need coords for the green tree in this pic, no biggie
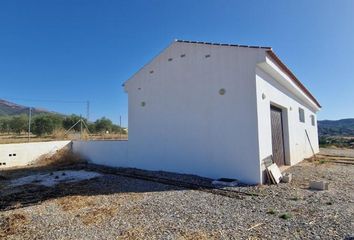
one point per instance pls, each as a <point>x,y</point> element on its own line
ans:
<point>5,124</point>
<point>91,127</point>
<point>69,121</point>
<point>103,125</point>
<point>18,124</point>
<point>117,129</point>
<point>43,124</point>
<point>57,120</point>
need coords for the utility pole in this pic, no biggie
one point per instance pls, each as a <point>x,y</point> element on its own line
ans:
<point>29,123</point>
<point>87,110</point>
<point>120,127</point>
<point>80,127</point>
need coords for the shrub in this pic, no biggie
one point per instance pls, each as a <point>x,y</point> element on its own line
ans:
<point>285,216</point>
<point>271,211</point>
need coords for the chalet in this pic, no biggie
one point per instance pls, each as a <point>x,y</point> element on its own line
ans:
<point>215,110</point>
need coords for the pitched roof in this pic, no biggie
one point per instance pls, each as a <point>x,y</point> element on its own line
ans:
<point>271,53</point>
<point>222,44</point>
<point>292,76</point>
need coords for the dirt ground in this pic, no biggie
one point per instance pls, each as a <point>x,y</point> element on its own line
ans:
<point>23,138</point>
<point>118,207</point>
<point>338,152</point>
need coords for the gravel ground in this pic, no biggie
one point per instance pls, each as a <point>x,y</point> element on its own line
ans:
<point>337,152</point>
<point>116,207</point>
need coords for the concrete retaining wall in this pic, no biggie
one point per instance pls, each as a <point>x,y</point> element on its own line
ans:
<point>109,153</point>
<point>21,154</point>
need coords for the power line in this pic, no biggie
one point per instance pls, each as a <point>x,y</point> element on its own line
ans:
<point>43,100</point>
<point>22,111</point>
<point>52,101</point>
<point>29,123</point>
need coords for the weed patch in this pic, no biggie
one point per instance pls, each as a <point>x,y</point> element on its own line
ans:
<point>271,211</point>
<point>285,216</point>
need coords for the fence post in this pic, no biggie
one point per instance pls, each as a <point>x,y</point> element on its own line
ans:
<point>29,123</point>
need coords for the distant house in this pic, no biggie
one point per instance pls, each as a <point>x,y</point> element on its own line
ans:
<point>219,110</point>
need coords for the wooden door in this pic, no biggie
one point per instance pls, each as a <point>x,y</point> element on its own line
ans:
<point>277,136</point>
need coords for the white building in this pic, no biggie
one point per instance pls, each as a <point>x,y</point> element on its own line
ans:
<point>215,110</point>
<point>219,110</point>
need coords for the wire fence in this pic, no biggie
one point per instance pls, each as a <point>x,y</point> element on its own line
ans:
<point>61,134</point>
<point>49,127</point>
<point>27,124</point>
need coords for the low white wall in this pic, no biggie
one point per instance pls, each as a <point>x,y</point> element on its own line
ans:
<point>21,154</point>
<point>109,153</point>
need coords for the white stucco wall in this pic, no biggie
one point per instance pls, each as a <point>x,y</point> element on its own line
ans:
<point>21,154</point>
<point>109,153</point>
<point>186,126</point>
<point>179,122</point>
<point>298,147</point>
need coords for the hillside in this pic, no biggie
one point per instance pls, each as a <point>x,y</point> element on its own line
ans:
<point>343,127</point>
<point>11,109</point>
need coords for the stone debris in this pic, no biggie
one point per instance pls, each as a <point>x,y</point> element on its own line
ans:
<point>226,182</point>
<point>319,185</point>
<point>287,177</point>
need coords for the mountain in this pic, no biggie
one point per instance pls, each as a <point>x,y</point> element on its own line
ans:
<point>343,127</point>
<point>10,109</point>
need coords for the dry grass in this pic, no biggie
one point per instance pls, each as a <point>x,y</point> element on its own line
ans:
<point>109,136</point>
<point>73,203</point>
<point>200,235</point>
<point>134,233</point>
<point>136,210</point>
<point>59,135</point>
<point>21,138</point>
<point>93,214</point>
<point>138,232</point>
<point>62,157</point>
<point>89,210</point>
<point>96,216</point>
<point>12,224</point>
<point>131,197</point>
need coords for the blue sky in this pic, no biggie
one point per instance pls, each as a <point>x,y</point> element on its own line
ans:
<point>73,51</point>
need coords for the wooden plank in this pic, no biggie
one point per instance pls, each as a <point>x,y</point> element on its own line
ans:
<point>275,173</point>
<point>308,138</point>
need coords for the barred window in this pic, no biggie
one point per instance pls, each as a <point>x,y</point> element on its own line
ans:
<point>301,115</point>
<point>313,121</point>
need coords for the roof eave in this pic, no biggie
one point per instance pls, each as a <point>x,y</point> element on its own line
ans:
<point>273,66</point>
<point>297,82</point>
